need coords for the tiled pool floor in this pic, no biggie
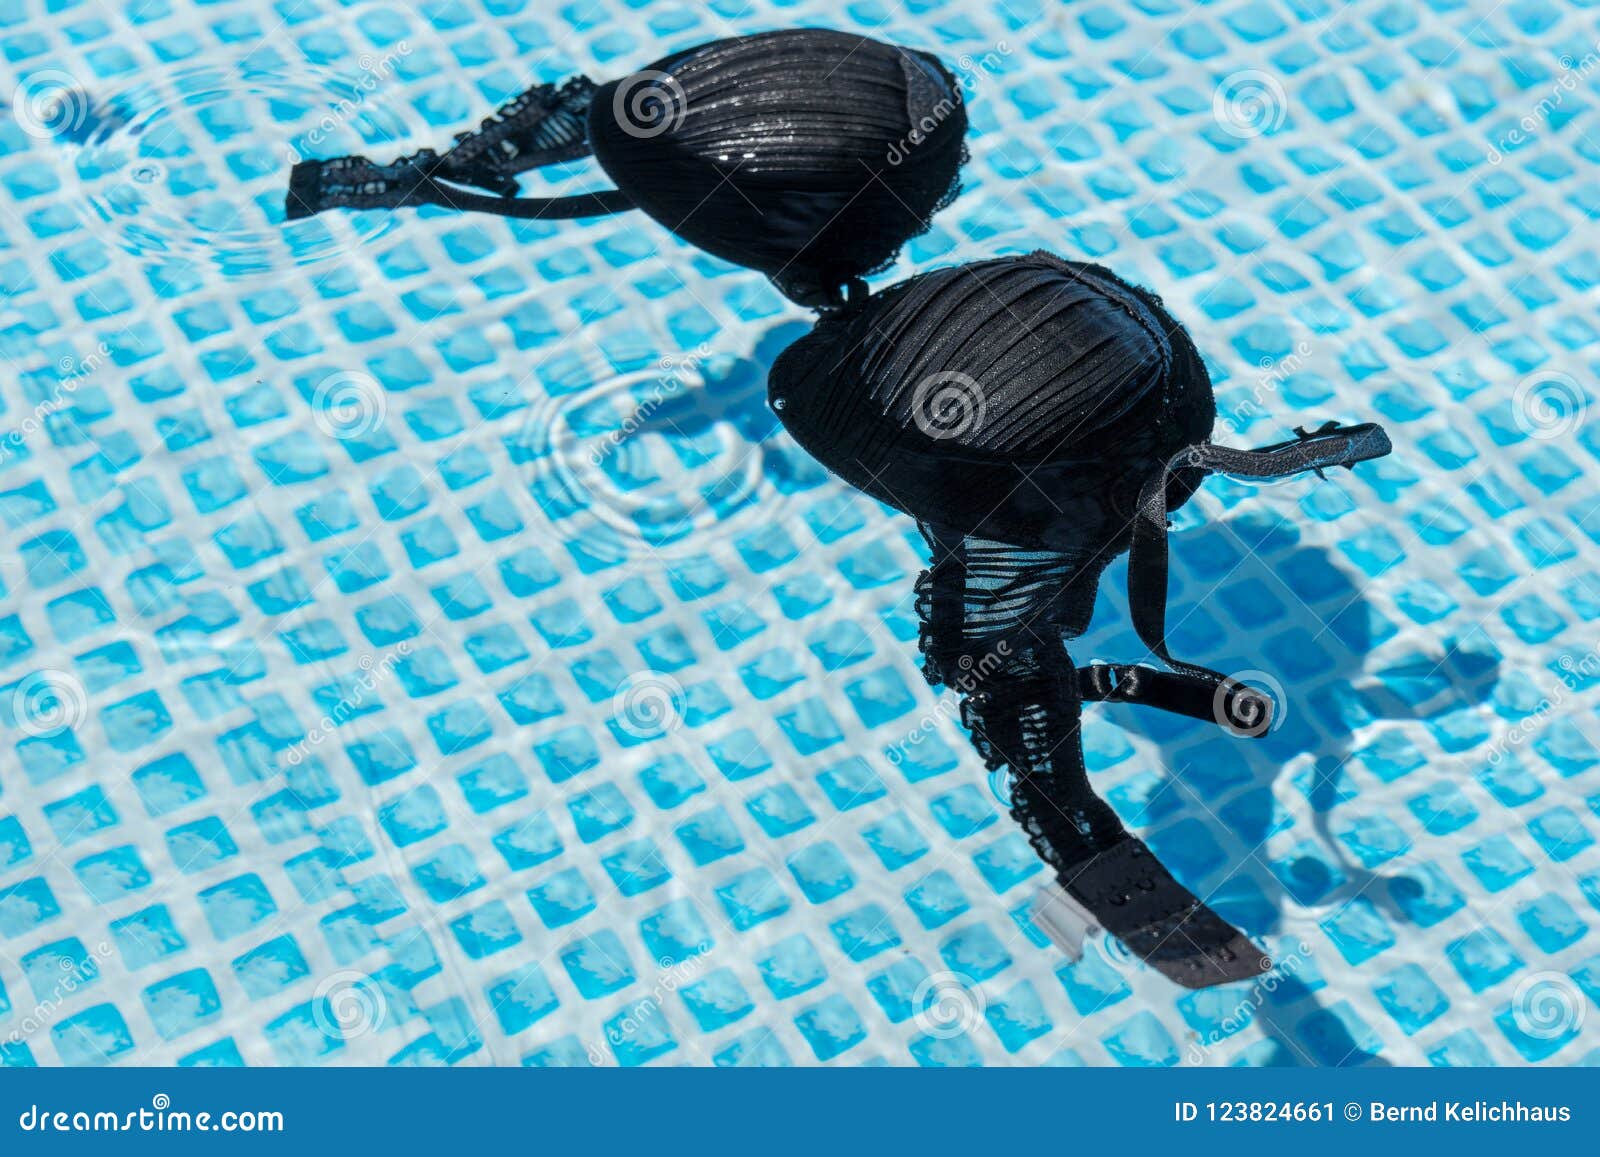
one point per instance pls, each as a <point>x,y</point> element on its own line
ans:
<point>417,645</point>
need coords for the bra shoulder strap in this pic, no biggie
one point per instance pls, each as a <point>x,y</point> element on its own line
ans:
<point>1315,450</point>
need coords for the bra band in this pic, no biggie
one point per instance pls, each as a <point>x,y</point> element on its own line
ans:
<point>1024,708</point>
<point>1316,450</point>
<point>545,125</point>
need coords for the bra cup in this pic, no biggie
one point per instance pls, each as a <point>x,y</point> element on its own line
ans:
<point>808,155</point>
<point>1025,399</point>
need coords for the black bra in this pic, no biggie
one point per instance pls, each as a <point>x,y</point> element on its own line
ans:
<point>811,156</point>
<point>1038,417</point>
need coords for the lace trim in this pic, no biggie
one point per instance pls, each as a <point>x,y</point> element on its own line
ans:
<point>545,125</point>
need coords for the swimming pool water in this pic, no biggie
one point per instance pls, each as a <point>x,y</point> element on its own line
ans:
<point>419,645</point>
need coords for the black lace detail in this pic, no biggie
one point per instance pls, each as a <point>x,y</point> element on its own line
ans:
<point>782,152</point>
<point>1038,417</point>
<point>357,183</point>
<point>1025,717</point>
<point>545,125</point>
<point>993,618</point>
<point>981,600</point>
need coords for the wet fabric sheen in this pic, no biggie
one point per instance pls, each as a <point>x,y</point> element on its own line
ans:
<point>809,155</point>
<point>1038,417</point>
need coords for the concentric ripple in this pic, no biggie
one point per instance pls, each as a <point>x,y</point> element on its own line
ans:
<point>192,163</point>
<point>646,461</point>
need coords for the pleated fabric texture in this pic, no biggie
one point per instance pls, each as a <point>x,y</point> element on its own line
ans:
<point>1024,400</point>
<point>1038,417</point>
<point>810,155</point>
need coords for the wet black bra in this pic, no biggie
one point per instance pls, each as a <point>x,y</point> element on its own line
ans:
<point>809,155</point>
<point>1038,417</point>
